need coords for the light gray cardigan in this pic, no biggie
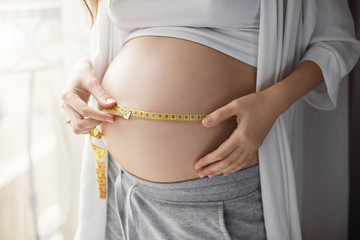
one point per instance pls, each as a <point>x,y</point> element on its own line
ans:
<point>291,31</point>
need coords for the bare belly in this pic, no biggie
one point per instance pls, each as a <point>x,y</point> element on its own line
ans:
<point>162,74</point>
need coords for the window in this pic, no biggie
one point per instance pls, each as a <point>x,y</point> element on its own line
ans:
<point>38,44</point>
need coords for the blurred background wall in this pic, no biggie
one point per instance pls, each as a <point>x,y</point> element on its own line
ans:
<point>39,41</point>
<point>354,129</point>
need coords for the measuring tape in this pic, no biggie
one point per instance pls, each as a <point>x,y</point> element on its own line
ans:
<point>128,113</point>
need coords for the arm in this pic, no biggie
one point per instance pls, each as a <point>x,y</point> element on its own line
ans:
<point>83,82</point>
<point>84,79</point>
<point>329,51</point>
<point>256,114</point>
<point>86,74</point>
<point>306,77</point>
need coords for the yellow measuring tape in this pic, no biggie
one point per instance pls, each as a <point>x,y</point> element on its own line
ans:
<point>99,165</point>
<point>171,117</point>
<point>128,113</point>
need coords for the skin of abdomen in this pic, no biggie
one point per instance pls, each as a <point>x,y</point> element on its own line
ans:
<point>163,74</point>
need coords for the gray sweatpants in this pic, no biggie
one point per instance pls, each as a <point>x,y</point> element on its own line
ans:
<point>222,207</point>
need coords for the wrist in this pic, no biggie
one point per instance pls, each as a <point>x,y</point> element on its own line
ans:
<point>276,99</point>
<point>284,93</point>
<point>82,66</point>
<point>83,62</point>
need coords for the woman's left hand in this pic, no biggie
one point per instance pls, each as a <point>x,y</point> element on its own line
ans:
<point>255,115</point>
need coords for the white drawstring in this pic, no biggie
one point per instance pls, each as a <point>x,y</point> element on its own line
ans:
<point>126,206</point>
<point>128,210</point>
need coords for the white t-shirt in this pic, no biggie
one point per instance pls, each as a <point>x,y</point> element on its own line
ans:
<point>231,26</point>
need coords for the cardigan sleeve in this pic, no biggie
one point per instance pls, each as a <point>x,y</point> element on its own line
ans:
<point>330,42</point>
<point>105,41</point>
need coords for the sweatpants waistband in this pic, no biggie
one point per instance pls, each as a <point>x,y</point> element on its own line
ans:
<point>218,188</point>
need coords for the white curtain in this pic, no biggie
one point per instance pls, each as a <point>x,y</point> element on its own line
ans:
<point>39,41</point>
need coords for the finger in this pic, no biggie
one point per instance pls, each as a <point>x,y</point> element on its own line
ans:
<point>98,92</point>
<point>79,124</point>
<point>222,151</point>
<point>221,114</point>
<point>87,130</point>
<point>239,164</point>
<point>249,161</point>
<point>74,118</point>
<point>83,130</point>
<point>75,102</point>
<point>88,123</point>
<point>230,162</point>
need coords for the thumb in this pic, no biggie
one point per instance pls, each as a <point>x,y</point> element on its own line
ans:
<point>100,95</point>
<point>219,115</point>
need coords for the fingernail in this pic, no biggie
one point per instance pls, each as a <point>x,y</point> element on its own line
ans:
<point>207,120</point>
<point>211,175</point>
<point>110,120</point>
<point>202,175</point>
<point>197,166</point>
<point>109,100</point>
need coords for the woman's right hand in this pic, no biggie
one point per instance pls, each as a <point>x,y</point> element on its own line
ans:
<point>81,83</point>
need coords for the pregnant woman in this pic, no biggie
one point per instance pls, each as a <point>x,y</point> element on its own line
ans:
<point>224,59</point>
